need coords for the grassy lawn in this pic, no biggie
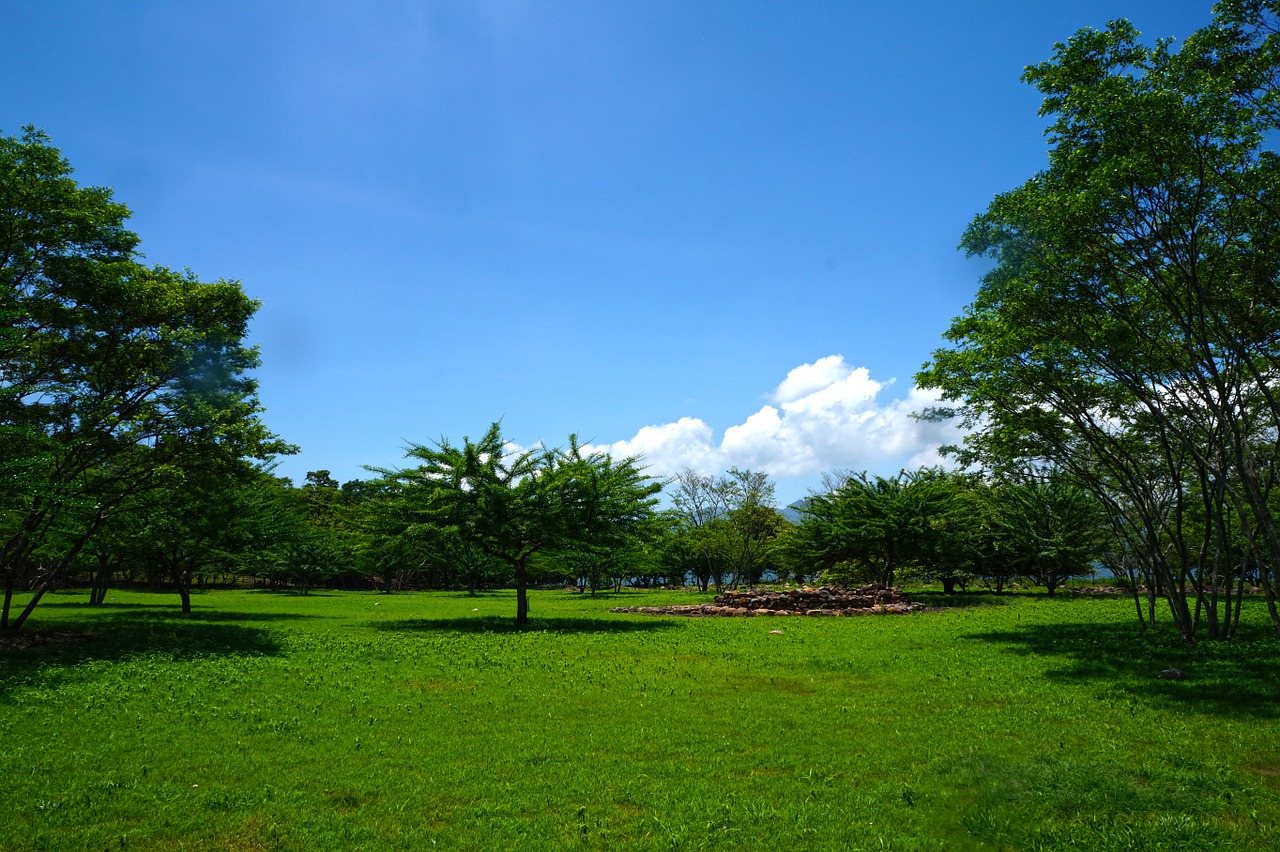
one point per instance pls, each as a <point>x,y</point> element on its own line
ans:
<point>356,720</point>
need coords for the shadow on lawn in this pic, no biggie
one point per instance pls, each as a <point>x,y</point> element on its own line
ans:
<point>506,624</point>
<point>118,612</point>
<point>962,600</point>
<point>171,605</point>
<point>1237,678</point>
<point>46,656</point>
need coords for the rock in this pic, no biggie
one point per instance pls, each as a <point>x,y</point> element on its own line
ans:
<point>1172,674</point>
<point>824,601</point>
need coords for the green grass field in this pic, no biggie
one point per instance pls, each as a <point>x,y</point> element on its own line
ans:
<point>413,721</point>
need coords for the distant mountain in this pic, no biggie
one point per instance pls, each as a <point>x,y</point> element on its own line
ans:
<point>795,512</point>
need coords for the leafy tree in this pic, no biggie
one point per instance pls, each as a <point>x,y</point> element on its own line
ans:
<point>989,557</point>
<point>731,521</point>
<point>1052,529</point>
<point>319,544</point>
<point>310,558</point>
<point>111,372</point>
<point>639,557</point>
<point>1127,332</point>
<point>878,524</point>
<point>700,501</point>
<point>957,541</point>
<point>514,506</point>
<point>751,524</point>
<point>204,518</point>
<point>389,547</point>
<point>680,552</point>
<point>322,496</point>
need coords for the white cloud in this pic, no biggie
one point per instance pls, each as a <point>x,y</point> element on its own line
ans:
<point>808,378</point>
<point>824,416</point>
<point>671,447</point>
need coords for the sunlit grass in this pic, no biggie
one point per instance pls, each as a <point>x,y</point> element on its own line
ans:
<point>407,721</point>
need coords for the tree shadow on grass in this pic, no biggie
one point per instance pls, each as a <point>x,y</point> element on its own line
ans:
<point>1238,678</point>
<point>628,594</point>
<point>46,658</point>
<point>107,606</point>
<point>113,612</point>
<point>506,624</point>
<point>962,600</point>
<point>312,592</point>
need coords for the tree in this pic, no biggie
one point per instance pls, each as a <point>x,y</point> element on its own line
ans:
<point>960,541</point>
<point>390,546</point>
<point>731,521</point>
<point>1051,528</point>
<point>196,522</point>
<point>700,501</point>
<point>319,546</point>
<point>748,538</point>
<point>515,505</point>
<point>990,561</point>
<point>878,524</point>
<point>111,372</point>
<point>1129,331</point>
<point>746,534</point>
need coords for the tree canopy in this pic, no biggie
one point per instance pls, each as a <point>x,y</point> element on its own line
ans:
<point>1128,331</point>
<point>514,504</point>
<point>113,375</point>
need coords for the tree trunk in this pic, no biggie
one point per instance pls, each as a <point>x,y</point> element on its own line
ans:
<point>522,594</point>
<point>31,605</point>
<point>8,600</point>
<point>521,600</point>
<point>184,590</point>
<point>1133,577</point>
<point>101,578</point>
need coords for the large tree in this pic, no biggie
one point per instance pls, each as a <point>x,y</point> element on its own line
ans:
<point>1129,331</point>
<point>730,521</point>
<point>1050,528</point>
<point>516,504</point>
<point>111,372</point>
<point>872,527</point>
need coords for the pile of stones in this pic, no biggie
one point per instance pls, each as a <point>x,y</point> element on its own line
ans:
<point>821,601</point>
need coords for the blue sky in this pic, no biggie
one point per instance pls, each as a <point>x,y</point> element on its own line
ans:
<point>718,233</point>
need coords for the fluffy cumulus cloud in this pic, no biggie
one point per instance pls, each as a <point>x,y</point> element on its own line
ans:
<point>823,416</point>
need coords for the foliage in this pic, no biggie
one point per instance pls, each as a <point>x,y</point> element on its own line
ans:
<point>873,527</point>
<point>515,505</point>
<point>1127,332</point>
<point>726,525</point>
<point>202,519</point>
<point>1051,529</point>
<point>112,373</point>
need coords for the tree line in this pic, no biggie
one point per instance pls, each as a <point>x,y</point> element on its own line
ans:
<point>134,450</point>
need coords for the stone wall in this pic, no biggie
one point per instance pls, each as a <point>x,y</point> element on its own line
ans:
<point>821,601</point>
